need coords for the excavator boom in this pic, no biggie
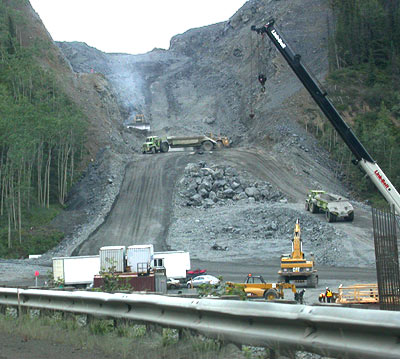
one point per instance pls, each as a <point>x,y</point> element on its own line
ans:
<point>297,246</point>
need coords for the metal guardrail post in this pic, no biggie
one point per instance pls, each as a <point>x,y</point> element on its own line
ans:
<point>328,331</point>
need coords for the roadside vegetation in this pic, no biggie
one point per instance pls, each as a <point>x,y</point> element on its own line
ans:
<point>364,84</point>
<point>119,339</point>
<point>41,140</point>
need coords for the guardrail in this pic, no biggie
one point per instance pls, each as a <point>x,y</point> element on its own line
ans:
<point>328,331</point>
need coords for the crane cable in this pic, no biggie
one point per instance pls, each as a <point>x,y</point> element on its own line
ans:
<point>261,76</point>
<point>251,76</point>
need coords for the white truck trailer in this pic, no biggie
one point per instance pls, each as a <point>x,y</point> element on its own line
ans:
<point>176,263</point>
<point>76,271</point>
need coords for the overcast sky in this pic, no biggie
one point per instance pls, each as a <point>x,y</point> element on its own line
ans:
<point>130,26</point>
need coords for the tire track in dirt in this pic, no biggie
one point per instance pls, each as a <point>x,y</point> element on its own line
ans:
<point>265,166</point>
<point>143,208</point>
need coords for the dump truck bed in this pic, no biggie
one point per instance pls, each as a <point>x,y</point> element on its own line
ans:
<point>188,141</point>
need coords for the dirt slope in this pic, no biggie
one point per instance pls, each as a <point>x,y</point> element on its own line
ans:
<point>142,210</point>
<point>147,210</point>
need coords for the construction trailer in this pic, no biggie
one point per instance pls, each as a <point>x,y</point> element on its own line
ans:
<point>75,271</point>
<point>139,258</point>
<point>176,263</point>
<point>112,258</point>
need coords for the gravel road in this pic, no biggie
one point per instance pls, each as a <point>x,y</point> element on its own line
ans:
<point>142,210</point>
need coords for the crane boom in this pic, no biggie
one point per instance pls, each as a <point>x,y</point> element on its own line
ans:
<point>363,158</point>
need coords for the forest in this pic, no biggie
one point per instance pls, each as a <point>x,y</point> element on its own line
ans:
<point>364,84</point>
<point>41,142</point>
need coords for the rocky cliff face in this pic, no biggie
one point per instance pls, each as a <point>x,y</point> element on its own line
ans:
<point>207,80</point>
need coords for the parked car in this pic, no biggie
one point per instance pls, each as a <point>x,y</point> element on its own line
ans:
<point>203,279</point>
<point>173,283</point>
<point>195,272</point>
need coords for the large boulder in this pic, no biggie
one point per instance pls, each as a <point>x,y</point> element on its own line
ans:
<point>253,192</point>
<point>196,200</point>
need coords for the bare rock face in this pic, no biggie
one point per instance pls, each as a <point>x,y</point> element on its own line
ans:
<point>207,80</point>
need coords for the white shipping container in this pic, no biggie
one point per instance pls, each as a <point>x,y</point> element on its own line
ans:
<point>176,263</point>
<point>112,256</point>
<point>140,257</point>
<point>76,270</point>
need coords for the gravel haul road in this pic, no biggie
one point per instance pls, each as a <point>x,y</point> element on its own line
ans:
<point>148,210</point>
<point>142,210</point>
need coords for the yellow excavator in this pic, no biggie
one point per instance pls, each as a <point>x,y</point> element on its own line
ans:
<point>295,267</point>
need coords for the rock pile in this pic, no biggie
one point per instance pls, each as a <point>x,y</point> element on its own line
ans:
<point>260,232</point>
<point>205,186</point>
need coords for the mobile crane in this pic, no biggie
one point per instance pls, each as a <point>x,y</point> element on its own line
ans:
<point>294,266</point>
<point>362,157</point>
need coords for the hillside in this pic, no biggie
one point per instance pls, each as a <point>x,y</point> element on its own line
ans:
<point>207,82</point>
<point>201,84</point>
<point>51,117</point>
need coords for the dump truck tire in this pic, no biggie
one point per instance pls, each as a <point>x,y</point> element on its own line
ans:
<point>207,145</point>
<point>271,294</point>
<point>307,206</point>
<point>314,208</point>
<point>350,217</point>
<point>153,150</point>
<point>330,217</point>
<point>164,147</point>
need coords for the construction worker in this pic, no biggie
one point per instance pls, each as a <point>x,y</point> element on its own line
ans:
<point>329,295</point>
<point>301,296</point>
<point>322,297</point>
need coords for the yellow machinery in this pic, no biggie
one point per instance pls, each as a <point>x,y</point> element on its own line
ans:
<point>222,141</point>
<point>294,266</point>
<point>139,118</point>
<point>256,287</point>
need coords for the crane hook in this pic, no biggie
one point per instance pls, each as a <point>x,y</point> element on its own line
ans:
<point>262,79</point>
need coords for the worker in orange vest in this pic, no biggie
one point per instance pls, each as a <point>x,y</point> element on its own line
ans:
<point>322,297</point>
